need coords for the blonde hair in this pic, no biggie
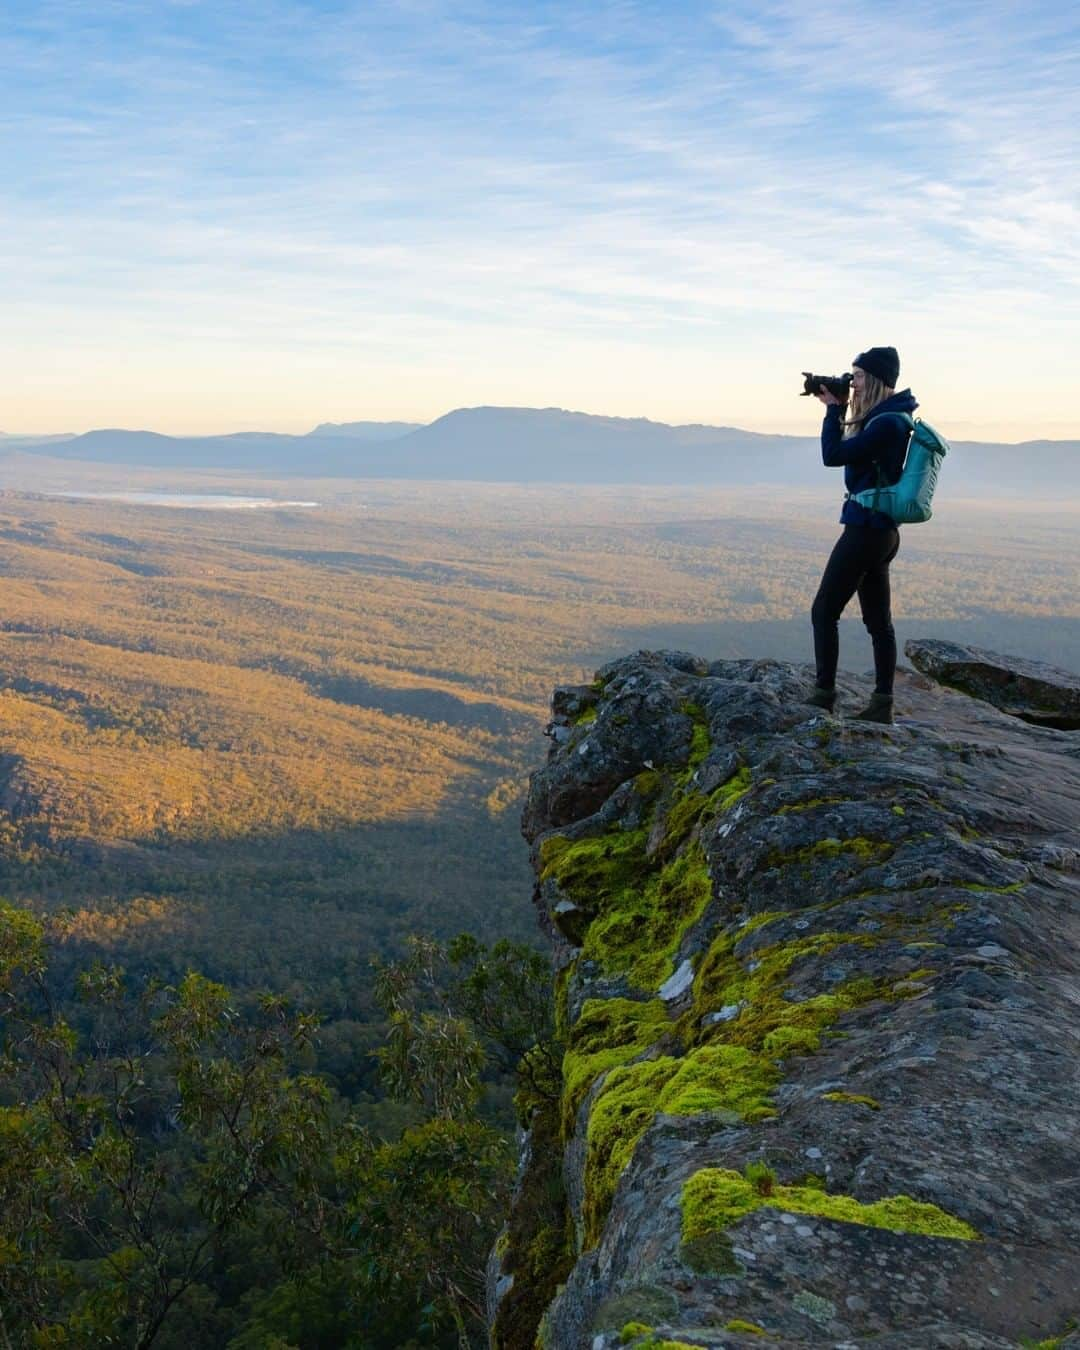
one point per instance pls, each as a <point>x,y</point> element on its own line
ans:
<point>874,391</point>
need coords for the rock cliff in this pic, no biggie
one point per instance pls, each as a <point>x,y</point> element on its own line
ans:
<point>817,982</point>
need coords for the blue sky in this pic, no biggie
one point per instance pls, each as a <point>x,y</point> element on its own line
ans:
<point>232,214</point>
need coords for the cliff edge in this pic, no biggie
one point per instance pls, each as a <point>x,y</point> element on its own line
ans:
<point>817,984</point>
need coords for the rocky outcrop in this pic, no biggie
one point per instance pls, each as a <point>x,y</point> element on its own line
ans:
<point>1033,690</point>
<point>817,982</point>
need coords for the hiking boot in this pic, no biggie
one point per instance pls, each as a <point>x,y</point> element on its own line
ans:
<point>879,709</point>
<point>823,698</point>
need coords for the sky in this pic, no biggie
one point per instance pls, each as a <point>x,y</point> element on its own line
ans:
<point>267,214</point>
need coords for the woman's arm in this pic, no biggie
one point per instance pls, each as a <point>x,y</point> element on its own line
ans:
<point>877,436</point>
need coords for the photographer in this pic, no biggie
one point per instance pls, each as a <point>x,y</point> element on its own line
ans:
<point>865,442</point>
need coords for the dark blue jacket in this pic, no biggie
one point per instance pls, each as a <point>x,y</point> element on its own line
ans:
<point>882,440</point>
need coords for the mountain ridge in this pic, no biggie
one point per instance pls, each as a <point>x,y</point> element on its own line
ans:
<point>513,444</point>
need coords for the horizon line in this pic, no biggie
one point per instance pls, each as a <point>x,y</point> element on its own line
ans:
<point>418,425</point>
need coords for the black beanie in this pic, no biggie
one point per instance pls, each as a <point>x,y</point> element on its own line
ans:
<point>881,362</point>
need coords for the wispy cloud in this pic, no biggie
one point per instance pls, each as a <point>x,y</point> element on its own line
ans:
<point>447,189</point>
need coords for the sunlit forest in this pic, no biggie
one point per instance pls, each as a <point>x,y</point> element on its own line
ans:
<point>273,743</point>
<point>268,746</point>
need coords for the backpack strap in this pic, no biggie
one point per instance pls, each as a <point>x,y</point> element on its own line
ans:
<point>909,423</point>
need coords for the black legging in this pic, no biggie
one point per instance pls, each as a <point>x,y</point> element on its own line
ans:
<point>859,563</point>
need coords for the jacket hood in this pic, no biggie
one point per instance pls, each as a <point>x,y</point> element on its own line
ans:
<point>903,401</point>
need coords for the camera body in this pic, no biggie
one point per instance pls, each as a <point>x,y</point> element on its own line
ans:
<point>837,385</point>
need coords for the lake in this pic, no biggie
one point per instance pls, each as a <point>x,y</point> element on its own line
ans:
<point>205,500</point>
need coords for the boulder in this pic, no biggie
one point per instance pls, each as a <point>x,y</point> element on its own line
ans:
<point>1033,690</point>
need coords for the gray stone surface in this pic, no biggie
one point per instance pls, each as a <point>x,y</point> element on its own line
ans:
<point>1032,690</point>
<point>966,889</point>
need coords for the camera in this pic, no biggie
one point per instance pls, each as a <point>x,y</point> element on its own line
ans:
<point>837,385</point>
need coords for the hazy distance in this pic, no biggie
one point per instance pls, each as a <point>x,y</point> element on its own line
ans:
<point>534,445</point>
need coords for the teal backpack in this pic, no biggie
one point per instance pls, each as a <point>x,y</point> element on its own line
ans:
<point>909,501</point>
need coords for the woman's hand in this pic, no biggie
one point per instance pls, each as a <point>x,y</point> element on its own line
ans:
<point>826,398</point>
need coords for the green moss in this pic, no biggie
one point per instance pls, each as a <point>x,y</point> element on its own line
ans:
<point>585,718</point>
<point>724,1078</point>
<point>561,1000</point>
<point>683,815</point>
<point>768,1022</point>
<point>727,794</point>
<point>639,934</point>
<point>648,783</point>
<point>714,1199</point>
<point>992,890</point>
<point>746,1328</point>
<point>787,1041</point>
<point>810,804</point>
<point>699,741</point>
<point>1051,1342</point>
<point>593,870</point>
<point>699,746</point>
<point>867,850</point>
<point>899,811</point>
<point>647,1303</point>
<point>632,1330</point>
<point>639,907</point>
<point>610,1032</point>
<point>854,1098</point>
<point>691,809</point>
<point>761,920</point>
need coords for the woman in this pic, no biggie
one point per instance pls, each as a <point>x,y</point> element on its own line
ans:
<point>866,441</point>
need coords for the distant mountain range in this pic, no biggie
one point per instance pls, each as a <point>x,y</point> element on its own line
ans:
<point>547,445</point>
<point>365,431</point>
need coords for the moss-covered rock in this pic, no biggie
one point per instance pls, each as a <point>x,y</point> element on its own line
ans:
<point>715,1198</point>
<point>609,1033</point>
<point>717,1078</point>
<point>850,923</point>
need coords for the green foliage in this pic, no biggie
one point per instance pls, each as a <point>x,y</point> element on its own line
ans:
<point>539,1248</point>
<point>170,1174</point>
<point>423,1215</point>
<point>761,1176</point>
<point>105,1231</point>
<point>453,1008</point>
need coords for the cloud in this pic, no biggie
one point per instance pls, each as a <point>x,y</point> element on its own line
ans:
<point>397,175</point>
